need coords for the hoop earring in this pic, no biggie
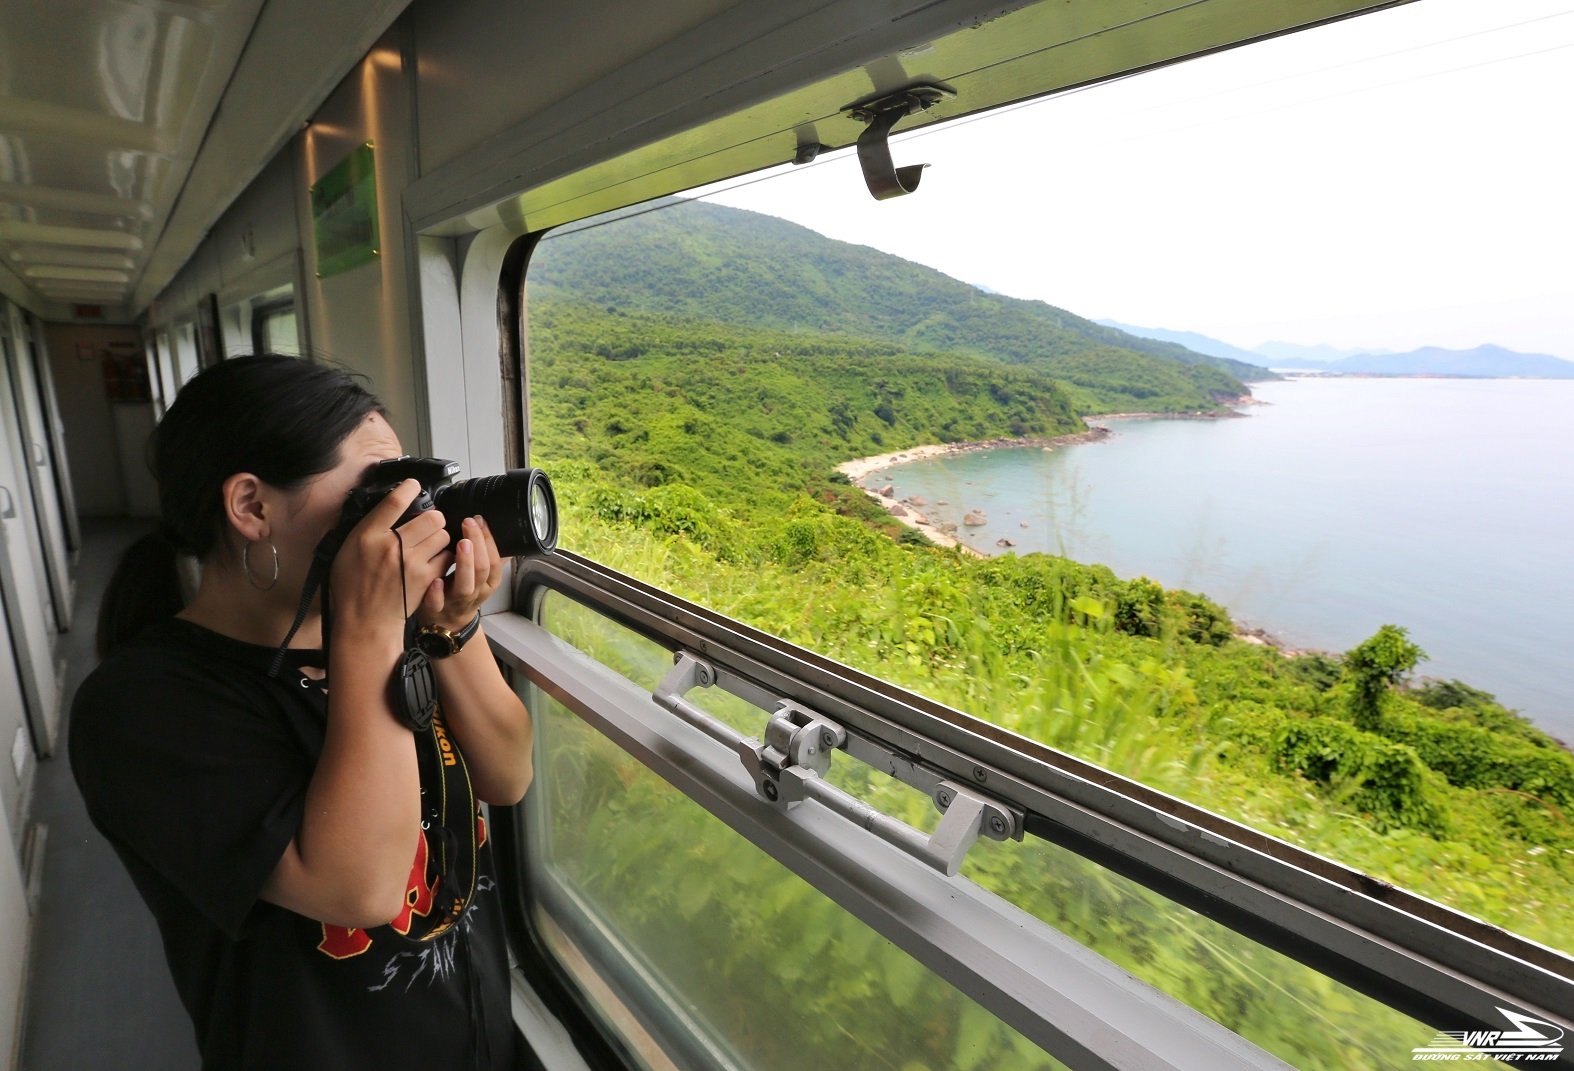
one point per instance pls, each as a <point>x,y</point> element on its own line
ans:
<point>245,567</point>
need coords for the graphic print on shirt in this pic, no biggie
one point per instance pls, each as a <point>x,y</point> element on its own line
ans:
<point>344,942</point>
<point>436,961</point>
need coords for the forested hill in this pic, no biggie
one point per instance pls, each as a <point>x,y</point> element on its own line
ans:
<point>697,261</point>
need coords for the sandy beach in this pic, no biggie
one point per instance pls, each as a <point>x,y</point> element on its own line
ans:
<point>860,469</point>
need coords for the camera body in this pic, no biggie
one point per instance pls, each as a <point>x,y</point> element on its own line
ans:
<point>433,473</point>
<point>518,506</point>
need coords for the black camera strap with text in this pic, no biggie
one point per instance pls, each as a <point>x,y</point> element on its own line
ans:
<point>449,809</point>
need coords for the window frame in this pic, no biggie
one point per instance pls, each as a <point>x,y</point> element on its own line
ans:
<point>1421,958</point>
<point>1417,956</point>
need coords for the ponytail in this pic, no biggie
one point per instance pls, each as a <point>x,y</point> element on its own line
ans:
<point>144,590</point>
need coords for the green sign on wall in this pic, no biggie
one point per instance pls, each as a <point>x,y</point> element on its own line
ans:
<point>344,214</point>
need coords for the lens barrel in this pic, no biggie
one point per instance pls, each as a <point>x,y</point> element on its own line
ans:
<point>518,506</point>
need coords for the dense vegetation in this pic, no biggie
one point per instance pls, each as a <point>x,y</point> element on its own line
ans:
<point>699,457</point>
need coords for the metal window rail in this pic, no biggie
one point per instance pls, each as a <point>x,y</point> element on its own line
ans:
<point>1417,956</point>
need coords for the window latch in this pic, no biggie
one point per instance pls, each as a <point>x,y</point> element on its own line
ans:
<point>884,179</point>
<point>798,745</point>
<point>789,766</point>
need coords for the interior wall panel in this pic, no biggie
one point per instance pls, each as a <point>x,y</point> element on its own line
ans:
<point>359,318</point>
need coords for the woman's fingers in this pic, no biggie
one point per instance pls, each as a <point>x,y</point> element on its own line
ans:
<point>462,585</point>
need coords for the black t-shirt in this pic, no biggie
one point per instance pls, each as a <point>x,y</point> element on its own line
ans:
<point>194,764</point>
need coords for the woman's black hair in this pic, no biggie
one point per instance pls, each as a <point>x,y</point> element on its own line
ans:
<point>282,419</point>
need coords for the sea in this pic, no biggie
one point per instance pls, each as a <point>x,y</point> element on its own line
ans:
<point>1331,506</point>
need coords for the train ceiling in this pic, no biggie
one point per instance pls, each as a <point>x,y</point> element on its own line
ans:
<point>127,127</point>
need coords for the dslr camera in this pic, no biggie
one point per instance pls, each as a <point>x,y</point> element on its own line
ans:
<point>517,505</point>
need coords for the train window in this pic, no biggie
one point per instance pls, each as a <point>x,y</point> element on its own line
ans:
<point>187,359</point>
<point>696,946</point>
<point>701,371</point>
<point>274,328</point>
<point>1290,1010</point>
<point>715,388</point>
<point>161,355</point>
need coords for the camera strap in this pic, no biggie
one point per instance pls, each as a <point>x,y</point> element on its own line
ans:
<point>451,835</point>
<point>450,817</point>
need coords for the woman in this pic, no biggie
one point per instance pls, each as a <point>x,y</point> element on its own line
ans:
<point>281,827</point>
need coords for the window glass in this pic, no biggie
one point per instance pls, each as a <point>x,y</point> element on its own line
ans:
<point>699,948</point>
<point>1289,1009</point>
<point>185,356</point>
<point>736,394</point>
<point>275,329</point>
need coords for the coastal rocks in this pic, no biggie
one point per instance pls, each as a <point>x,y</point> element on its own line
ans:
<point>888,491</point>
<point>1004,542</point>
<point>1021,524</point>
<point>917,500</point>
<point>975,518</point>
<point>897,509</point>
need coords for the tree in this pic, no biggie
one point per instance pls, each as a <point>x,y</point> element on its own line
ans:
<point>1374,666</point>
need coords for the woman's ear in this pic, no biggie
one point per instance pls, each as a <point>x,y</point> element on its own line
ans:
<point>247,506</point>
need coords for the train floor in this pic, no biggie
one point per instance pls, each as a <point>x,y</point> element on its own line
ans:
<point>99,994</point>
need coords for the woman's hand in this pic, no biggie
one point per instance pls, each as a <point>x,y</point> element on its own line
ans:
<point>369,590</point>
<point>478,570</point>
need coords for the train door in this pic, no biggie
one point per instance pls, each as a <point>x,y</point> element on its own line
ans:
<point>38,461</point>
<point>29,649</point>
<point>14,783</point>
<point>38,360</point>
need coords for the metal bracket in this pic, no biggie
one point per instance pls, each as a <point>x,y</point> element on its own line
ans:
<point>790,766</point>
<point>884,179</point>
<point>967,817</point>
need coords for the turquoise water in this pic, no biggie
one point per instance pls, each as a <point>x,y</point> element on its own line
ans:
<point>1443,505</point>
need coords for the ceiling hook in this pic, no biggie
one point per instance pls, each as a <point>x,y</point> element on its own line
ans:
<point>884,179</point>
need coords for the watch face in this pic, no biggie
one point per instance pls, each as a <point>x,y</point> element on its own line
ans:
<point>436,643</point>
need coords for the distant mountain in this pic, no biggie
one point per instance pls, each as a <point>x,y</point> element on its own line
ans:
<point>1294,355</point>
<point>1242,364</point>
<point>699,261</point>
<point>1481,362</point>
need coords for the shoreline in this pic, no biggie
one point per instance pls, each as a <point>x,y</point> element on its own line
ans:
<point>860,469</point>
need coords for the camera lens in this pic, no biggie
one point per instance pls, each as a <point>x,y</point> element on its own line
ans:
<point>518,506</point>
<point>543,510</point>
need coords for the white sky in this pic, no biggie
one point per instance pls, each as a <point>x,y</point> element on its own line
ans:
<point>1401,179</point>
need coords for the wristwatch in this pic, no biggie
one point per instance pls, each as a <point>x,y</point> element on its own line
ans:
<point>437,642</point>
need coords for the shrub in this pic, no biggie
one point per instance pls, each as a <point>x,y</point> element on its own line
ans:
<point>1471,757</point>
<point>1201,619</point>
<point>1380,777</point>
<point>1374,666</point>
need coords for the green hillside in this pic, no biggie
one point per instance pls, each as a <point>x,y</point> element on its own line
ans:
<point>692,398</point>
<point>706,262</point>
<point>756,417</point>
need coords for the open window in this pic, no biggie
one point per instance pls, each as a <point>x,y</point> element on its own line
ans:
<point>1159,816</point>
